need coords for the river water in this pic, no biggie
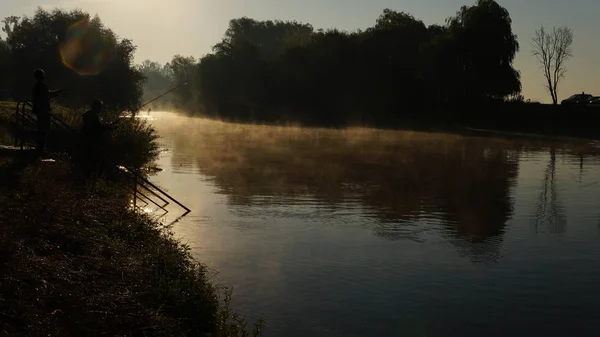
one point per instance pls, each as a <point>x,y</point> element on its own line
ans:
<point>366,232</point>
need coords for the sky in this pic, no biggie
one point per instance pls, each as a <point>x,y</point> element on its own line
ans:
<point>163,28</point>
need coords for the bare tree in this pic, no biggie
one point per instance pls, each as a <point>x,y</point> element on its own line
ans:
<point>553,49</point>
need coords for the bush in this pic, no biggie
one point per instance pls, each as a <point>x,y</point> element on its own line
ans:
<point>133,144</point>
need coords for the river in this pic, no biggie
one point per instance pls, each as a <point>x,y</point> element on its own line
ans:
<point>363,232</point>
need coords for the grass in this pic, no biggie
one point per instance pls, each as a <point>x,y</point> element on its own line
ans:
<point>76,260</point>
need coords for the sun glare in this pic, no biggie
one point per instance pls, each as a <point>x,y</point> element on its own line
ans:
<point>85,50</point>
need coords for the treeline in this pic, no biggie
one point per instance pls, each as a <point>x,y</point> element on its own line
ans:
<point>399,69</point>
<point>77,52</point>
<point>174,74</point>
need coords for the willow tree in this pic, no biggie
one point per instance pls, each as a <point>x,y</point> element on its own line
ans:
<point>485,47</point>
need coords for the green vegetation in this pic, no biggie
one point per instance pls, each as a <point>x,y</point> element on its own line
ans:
<point>75,258</point>
<point>133,144</point>
<point>79,262</point>
<point>91,62</point>
<point>398,71</point>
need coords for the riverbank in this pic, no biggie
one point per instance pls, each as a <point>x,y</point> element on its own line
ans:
<point>515,120</point>
<point>78,261</point>
<point>509,120</point>
<point>537,119</point>
<point>506,119</point>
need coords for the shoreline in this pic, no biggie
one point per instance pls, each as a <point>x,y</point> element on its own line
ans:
<point>544,122</point>
<point>529,120</point>
<point>76,260</point>
<point>464,129</point>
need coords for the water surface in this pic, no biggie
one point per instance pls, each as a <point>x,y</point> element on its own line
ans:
<point>366,232</point>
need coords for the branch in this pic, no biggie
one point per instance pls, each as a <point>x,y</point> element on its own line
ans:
<point>563,38</point>
<point>552,49</point>
<point>543,52</point>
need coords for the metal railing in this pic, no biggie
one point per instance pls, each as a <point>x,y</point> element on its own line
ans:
<point>142,190</point>
<point>20,118</point>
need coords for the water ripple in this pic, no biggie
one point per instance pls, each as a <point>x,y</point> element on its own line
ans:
<point>320,231</point>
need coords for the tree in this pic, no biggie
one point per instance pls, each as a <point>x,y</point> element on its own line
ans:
<point>157,81</point>
<point>552,50</point>
<point>485,50</point>
<point>78,53</point>
<point>5,69</point>
<point>399,71</point>
<point>392,51</point>
<point>269,37</point>
<point>9,24</point>
<point>181,70</point>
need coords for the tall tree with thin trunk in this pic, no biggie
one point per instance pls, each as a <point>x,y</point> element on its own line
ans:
<point>553,49</point>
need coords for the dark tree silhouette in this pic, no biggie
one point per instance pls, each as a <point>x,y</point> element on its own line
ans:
<point>552,50</point>
<point>5,69</point>
<point>486,50</point>
<point>78,53</point>
<point>157,80</point>
<point>399,71</point>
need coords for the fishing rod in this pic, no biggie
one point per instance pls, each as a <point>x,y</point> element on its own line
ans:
<point>163,94</point>
<point>65,92</point>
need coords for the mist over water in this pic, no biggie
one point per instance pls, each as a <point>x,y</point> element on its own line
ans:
<point>364,232</point>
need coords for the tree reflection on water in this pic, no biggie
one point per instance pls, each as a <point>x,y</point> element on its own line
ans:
<point>412,183</point>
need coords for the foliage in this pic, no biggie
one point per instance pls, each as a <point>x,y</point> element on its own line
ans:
<point>486,49</point>
<point>552,50</point>
<point>5,69</point>
<point>132,144</point>
<point>397,70</point>
<point>157,79</point>
<point>41,41</point>
<point>182,70</point>
<point>271,37</point>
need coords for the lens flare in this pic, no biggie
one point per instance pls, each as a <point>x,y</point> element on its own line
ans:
<point>85,50</point>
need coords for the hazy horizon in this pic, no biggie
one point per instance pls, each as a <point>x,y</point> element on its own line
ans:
<point>162,29</point>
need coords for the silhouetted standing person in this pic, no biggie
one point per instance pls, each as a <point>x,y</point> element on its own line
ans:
<point>92,131</point>
<point>41,107</point>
